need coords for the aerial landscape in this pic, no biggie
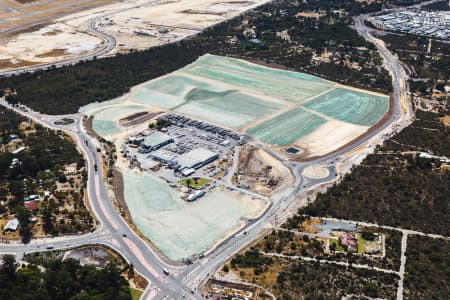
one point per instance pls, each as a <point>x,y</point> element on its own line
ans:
<point>224,149</point>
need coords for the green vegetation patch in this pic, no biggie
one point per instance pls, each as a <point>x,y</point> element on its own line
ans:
<point>393,186</point>
<point>427,268</point>
<point>361,244</point>
<point>64,121</point>
<point>61,280</point>
<point>135,293</point>
<point>335,245</point>
<point>196,182</point>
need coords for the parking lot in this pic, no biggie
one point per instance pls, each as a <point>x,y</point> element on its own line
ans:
<point>188,135</point>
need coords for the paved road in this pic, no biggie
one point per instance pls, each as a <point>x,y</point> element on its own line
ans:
<point>113,228</point>
<point>108,44</point>
<point>333,262</point>
<point>146,261</point>
<point>402,266</point>
<point>196,274</point>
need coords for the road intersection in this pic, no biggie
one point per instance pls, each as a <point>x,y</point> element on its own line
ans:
<point>184,281</point>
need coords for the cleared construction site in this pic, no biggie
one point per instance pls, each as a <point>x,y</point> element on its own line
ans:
<point>211,142</point>
<point>44,32</point>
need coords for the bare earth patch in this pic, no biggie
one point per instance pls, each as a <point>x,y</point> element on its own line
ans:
<point>316,171</point>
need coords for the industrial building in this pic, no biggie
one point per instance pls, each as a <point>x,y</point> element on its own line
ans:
<point>136,140</point>
<point>155,141</point>
<point>196,159</point>
<point>432,24</point>
<point>164,156</point>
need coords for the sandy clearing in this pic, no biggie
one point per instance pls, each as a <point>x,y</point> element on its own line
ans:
<point>308,14</point>
<point>151,24</point>
<point>330,136</point>
<point>79,18</point>
<point>39,46</point>
<point>152,36</point>
<point>278,169</point>
<point>243,90</point>
<point>316,172</point>
<point>446,120</point>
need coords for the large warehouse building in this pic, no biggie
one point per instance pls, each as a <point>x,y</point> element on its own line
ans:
<point>195,159</point>
<point>155,141</point>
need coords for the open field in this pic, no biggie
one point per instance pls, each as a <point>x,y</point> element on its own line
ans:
<point>181,229</point>
<point>200,99</point>
<point>280,108</point>
<point>168,21</point>
<point>42,32</point>
<point>20,15</point>
<point>283,110</point>
<point>289,86</point>
<point>106,120</point>
<point>287,128</point>
<point>30,34</point>
<point>350,106</point>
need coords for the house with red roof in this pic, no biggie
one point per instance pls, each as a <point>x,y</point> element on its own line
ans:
<point>31,205</point>
<point>348,239</point>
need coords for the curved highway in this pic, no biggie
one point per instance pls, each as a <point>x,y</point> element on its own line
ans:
<point>108,40</point>
<point>114,232</point>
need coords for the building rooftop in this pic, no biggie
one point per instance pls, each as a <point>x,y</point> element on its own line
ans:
<point>31,205</point>
<point>12,224</point>
<point>156,138</point>
<point>164,155</point>
<point>196,157</point>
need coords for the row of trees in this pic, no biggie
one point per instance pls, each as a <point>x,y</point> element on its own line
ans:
<point>64,90</point>
<point>397,189</point>
<point>328,281</point>
<point>41,167</point>
<point>427,268</point>
<point>297,279</point>
<point>61,280</point>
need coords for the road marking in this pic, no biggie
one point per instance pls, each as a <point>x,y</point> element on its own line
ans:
<point>152,294</point>
<point>102,206</point>
<point>138,254</point>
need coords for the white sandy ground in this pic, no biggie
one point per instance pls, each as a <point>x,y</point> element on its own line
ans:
<point>179,228</point>
<point>186,18</point>
<point>165,21</point>
<point>278,168</point>
<point>330,136</point>
<point>33,46</point>
<point>182,240</point>
<point>316,172</point>
<point>185,13</point>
